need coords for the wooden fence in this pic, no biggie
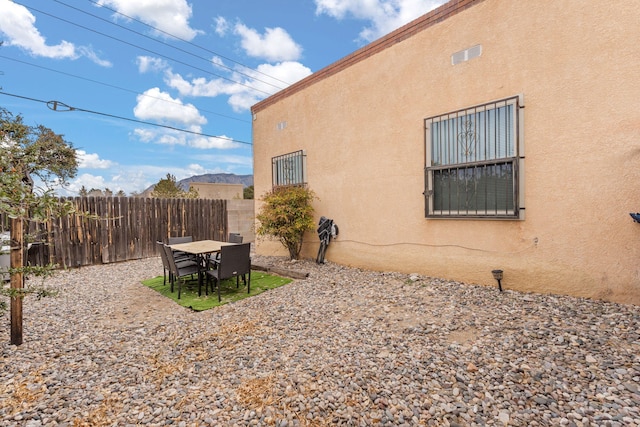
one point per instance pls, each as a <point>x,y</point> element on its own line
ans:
<point>127,228</point>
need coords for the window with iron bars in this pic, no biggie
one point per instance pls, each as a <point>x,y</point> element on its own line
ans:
<point>289,169</point>
<point>473,162</point>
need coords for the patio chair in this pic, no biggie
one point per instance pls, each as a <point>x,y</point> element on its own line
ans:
<point>235,261</point>
<point>176,240</point>
<point>233,238</point>
<point>166,268</point>
<point>179,270</point>
<point>180,262</point>
<point>179,255</point>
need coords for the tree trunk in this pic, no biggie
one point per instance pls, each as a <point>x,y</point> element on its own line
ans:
<point>17,262</point>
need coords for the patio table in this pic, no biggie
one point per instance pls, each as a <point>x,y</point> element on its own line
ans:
<point>202,249</point>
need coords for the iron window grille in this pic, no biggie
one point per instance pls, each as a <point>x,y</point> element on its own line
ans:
<point>289,169</point>
<point>473,165</point>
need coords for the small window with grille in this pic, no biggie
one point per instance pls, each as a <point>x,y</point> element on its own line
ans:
<point>473,162</point>
<point>289,169</point>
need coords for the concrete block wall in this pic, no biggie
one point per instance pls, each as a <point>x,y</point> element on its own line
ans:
<point>241,218</point>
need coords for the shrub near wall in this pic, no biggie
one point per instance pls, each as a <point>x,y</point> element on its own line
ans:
<point>286,214</point>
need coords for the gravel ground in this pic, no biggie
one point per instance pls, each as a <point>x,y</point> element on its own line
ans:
<point>342,347</point>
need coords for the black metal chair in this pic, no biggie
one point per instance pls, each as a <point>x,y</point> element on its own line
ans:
<point>233,238</point>
<point>179,270</point>
<point>180,262</point>
<point>184,256</point>
<point>166,268</point>
<point>235,261</point>
<point>179,255</point>
<point>176,240</point>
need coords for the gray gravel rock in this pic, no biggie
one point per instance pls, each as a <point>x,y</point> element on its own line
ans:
<point>344,346</point>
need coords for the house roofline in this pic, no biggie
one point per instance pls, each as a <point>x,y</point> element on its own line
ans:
<point>425,21</point>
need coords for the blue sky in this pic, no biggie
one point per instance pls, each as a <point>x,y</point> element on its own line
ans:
<point>196,65</point>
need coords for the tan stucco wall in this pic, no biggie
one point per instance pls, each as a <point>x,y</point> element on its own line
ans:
<point>362,129</point>
<point>240,212</point>
<point>219,191</point>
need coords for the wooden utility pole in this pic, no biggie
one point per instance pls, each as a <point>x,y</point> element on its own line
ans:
<point>17,281</point>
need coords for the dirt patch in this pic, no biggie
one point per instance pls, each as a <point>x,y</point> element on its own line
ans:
<point>463,336</point>
<point>140,305</point>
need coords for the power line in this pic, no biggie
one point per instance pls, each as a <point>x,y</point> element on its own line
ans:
<point>62,107</point>
<point>143,48</point>
<point>175,47</point>
<point>183,40</point>
<point>115,87</point>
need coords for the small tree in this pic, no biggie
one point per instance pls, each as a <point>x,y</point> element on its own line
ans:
<point>286,214</point>
<point>27,152</point>
<point>168,188</point>
<point>247,192</point>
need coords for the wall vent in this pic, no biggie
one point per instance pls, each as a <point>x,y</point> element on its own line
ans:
<point>281,125</point>
<point>467,54</point>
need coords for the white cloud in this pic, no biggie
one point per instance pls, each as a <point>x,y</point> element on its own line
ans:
<point>18,24</point>
<point>206,143</point>
<point>130,179</point>
<point>161,136</point>
<point>194,169</point>
<point>169,16</point>
<point>252,86</point>
<point>89,181</point>
<point>90,54</point>
<point>245,86</point>
<point>177,138</point>
<point>137,178</point>
<point>171,138</point>
<point>150,64</point>
<point>221,26</point>
<point>384,15</point>
<point>218,63</point>
<point>243,98</point>
<point>274,45</point>
<point>92,161</point>
<point>144,135</point>
<point>198,86</point>
<point>287,71</point>
<point>161,107</point>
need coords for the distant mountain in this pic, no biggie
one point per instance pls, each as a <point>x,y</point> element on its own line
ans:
<point>218,178</point>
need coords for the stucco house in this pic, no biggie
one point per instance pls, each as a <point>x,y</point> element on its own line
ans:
<point>486,134</point>
<point>217,190</point>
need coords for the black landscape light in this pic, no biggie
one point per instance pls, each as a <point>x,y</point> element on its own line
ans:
<point>497,274</point>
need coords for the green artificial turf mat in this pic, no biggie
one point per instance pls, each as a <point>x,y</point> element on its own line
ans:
<point>260,282</point>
